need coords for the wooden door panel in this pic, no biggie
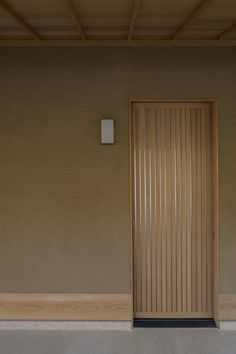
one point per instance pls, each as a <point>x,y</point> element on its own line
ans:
<point>172,209</point>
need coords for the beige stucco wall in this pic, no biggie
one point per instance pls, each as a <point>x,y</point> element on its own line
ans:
<point>64,198</point>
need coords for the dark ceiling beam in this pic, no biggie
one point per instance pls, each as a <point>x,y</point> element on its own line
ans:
<point>133,16</point>
<point>193,14</point>
<point>226,32</point>
<point>76,18</point>
<point>69,42</point>
<point>26,26</point>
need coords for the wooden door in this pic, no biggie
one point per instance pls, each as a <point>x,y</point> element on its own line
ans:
<point>172,209</point>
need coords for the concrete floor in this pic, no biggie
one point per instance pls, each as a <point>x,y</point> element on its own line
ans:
<point>145,341</point>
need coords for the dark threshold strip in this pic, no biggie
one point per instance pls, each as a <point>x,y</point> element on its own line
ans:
<point>174,323</point>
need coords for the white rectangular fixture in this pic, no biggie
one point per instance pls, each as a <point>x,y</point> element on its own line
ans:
<point>107,131</point>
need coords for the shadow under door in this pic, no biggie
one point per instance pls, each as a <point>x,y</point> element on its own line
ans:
<point>172,209</point>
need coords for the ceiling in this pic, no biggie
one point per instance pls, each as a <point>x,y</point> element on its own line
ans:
<point>117,22</point>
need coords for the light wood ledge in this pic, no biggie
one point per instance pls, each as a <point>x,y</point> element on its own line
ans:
<point>84,307</point>
<point>227,307</point>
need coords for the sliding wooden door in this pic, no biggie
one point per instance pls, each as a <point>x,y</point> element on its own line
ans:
<point>172,206</point>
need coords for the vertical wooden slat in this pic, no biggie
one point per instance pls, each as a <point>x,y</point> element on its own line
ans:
<point>143,209</point>
<point>199,214</point>
<point>184,206</point>
<point>137,219</point>
<point>148,209</point>
<point>153,209</point>
<point>135,204</point>
<point>189,208</point>
<point>209,211</point>
<point>168,210</point>
<point>179,209</point>
<point>194,210</point>
<point>215,208</point>
<point>163,208</point>
<point>173,210</point>
<point>159,208</point>
<point>203,208</point>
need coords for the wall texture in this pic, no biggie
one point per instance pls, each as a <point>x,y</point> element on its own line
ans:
<point>64,198</point>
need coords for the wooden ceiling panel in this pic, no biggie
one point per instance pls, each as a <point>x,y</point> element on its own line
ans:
<point>39,9</point>
<point>92,20</point>
<point>162,23</point>
<point>200,35</point>
<point>180,5</point>
<point>105,22</point>
<point>205,26</point>
<point>220,9</point>
<point>103,3</point>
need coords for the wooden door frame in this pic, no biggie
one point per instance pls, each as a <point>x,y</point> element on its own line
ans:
<point>215,191</point>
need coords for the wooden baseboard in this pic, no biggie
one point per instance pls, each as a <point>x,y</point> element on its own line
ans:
<point>83,307</point>
<point>227,307</point>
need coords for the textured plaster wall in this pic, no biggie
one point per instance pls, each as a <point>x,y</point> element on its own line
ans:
<point>64,198</point>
